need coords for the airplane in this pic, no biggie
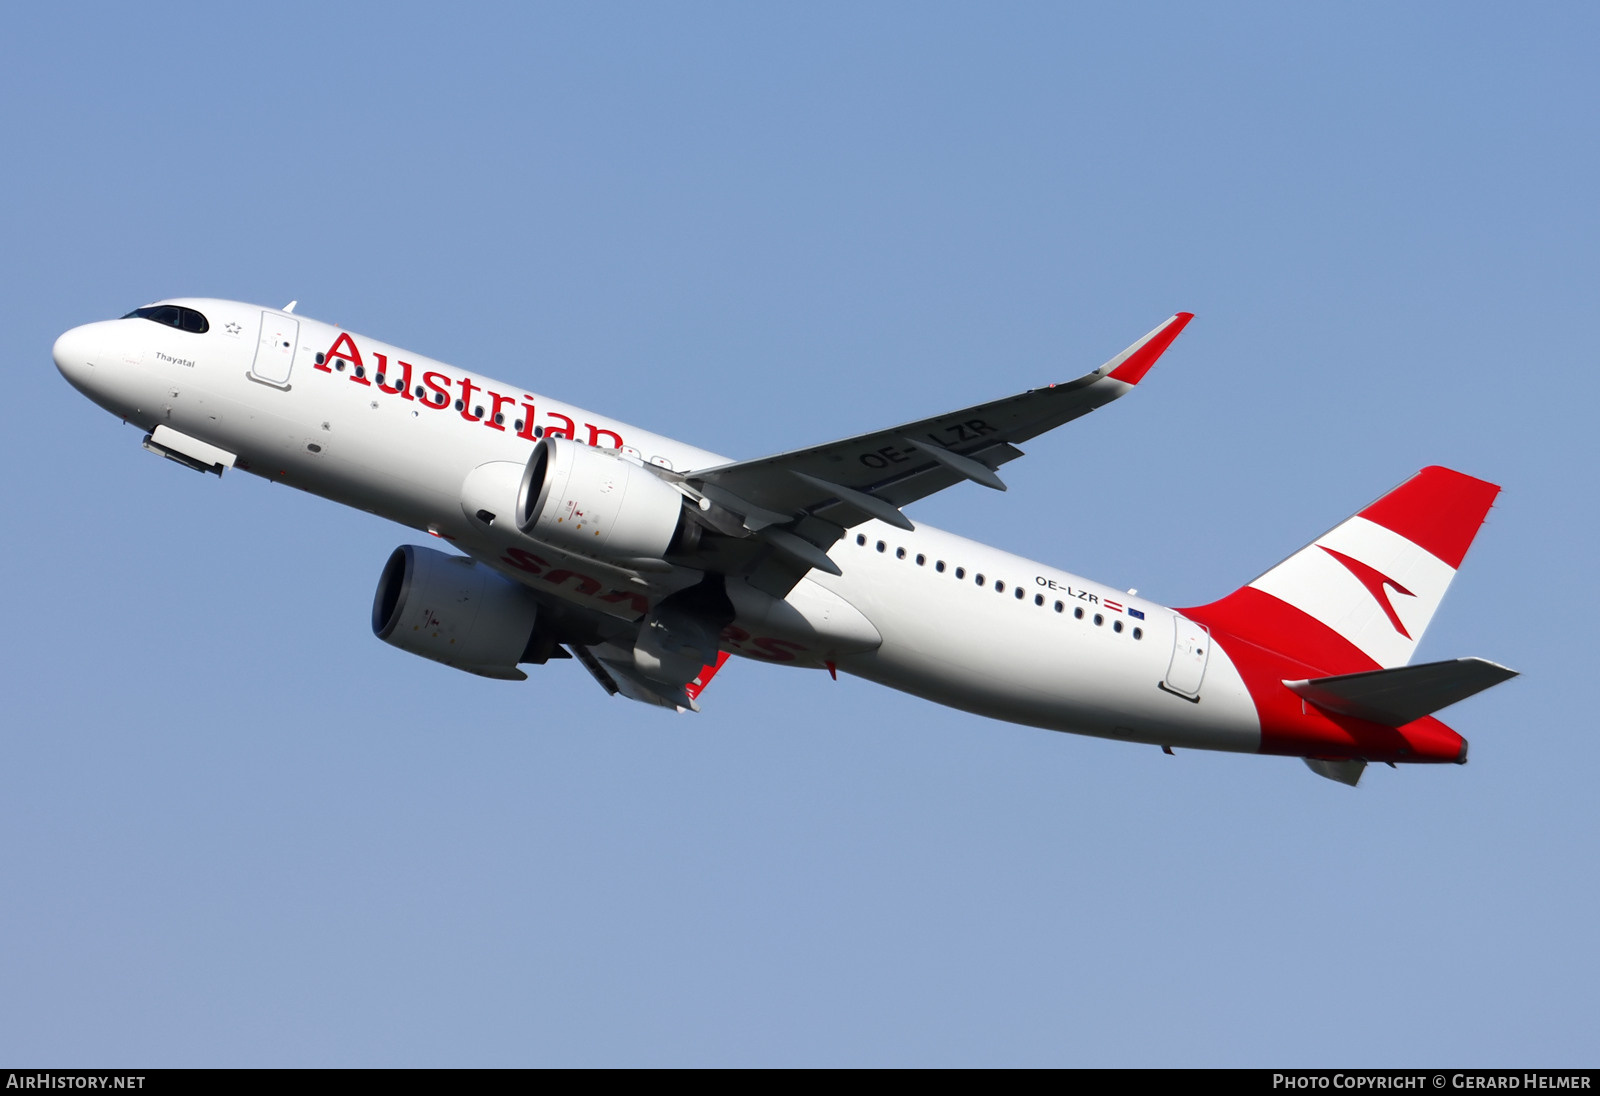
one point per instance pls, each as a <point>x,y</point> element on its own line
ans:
<point>650,561</point>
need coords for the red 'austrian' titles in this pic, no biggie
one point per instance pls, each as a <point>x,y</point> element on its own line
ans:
<point>435,389</point>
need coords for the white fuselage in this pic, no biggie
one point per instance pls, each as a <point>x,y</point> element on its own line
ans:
<point>926,612</point>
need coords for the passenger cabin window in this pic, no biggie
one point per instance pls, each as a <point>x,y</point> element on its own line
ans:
<point>184,319</point>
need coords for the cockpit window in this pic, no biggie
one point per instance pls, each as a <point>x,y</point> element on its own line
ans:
<point>184,319</point>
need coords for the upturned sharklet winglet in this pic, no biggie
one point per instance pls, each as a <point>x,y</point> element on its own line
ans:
<point>1404,694</point>
<point>1132,364</point>
<point>874,475</point>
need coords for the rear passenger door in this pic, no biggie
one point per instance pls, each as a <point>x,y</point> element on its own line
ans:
<point>1191,647</point>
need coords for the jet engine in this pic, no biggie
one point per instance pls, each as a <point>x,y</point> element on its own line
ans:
<point>458,612</point>
<point>596,502</point>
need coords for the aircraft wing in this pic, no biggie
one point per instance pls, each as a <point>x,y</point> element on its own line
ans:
<point>800,502</point>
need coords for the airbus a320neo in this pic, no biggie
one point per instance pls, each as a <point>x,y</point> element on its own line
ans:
<point>651,561</point>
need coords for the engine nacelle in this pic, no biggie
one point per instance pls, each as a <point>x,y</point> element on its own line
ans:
<point>455,611</point>
<point>598,503</point>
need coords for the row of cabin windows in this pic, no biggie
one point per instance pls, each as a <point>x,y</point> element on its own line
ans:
<point>1017,591</point>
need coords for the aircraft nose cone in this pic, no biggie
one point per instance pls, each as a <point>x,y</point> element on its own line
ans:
<point>74,355</point>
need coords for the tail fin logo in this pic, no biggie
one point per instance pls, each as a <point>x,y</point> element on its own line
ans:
<point>1375,581</point>
<point>1334,604</point>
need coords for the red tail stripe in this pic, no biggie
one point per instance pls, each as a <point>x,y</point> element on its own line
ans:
<point>1257,617</point>
<point>1438,509</point>
<point>1293,727</point>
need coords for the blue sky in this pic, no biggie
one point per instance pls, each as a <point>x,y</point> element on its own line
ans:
<point>236,829</point>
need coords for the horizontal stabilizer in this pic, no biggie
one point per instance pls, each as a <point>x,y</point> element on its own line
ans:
<point>1345,772</point>
<point>1403,694</point>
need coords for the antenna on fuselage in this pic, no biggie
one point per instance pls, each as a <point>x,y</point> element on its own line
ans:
<point>290,306</point>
